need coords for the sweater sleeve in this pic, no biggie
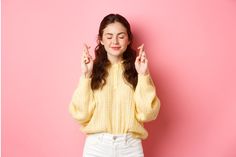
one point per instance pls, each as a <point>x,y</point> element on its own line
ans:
<point>147,103</point>
<point>82,104</point>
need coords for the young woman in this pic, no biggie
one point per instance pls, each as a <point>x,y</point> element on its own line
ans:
<point>115,95</point>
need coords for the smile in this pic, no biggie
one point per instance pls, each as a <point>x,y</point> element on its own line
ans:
<point>115,48</point>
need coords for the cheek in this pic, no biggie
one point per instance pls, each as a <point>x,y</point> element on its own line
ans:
<point>125,42</point>
<point>104,43</point>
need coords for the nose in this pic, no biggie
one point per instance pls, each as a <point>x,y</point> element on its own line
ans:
<point>115,40</point>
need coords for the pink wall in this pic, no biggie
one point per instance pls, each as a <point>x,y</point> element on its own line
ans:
<point>191,47</point>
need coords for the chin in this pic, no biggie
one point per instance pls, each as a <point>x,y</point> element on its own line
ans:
<point>116,53</point>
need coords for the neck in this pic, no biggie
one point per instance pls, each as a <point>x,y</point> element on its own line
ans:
<point>114,60</point>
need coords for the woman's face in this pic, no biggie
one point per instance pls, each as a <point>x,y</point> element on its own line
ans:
<point>115,40</point>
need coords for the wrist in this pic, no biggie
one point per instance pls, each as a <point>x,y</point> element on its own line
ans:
<point>143,73</point>
<point>87,75</point>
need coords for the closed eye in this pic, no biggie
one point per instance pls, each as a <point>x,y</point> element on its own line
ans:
<point>109,36</point>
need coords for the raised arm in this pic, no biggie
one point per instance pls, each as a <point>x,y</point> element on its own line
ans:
<point>82,104</point>
<point>147,103</point>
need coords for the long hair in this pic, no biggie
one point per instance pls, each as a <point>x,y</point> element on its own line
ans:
<point>101,62</point>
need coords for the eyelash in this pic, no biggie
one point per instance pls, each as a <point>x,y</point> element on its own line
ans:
<point>119,37</point>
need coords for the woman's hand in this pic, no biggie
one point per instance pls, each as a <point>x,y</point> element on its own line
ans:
<point>141,62</point>
<point>87,62</point>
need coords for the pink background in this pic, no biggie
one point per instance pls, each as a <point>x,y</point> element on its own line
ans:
<point>191,47</point>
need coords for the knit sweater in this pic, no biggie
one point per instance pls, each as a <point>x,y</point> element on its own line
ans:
<point>116,108</point>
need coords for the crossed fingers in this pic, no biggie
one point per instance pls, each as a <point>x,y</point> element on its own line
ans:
<point>86,56</point>
<point>142,55</point>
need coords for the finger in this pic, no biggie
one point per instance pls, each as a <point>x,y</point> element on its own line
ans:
<point>86,49</point>
<point>143,59</point>
<point>89,56</point>
<point>86,55</point>
<point>141,49</point>
<point>137,60</point>
<point>143,54</point>
<point>86,60</point>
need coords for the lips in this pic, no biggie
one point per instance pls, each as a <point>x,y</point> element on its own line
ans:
<point>115,48</point>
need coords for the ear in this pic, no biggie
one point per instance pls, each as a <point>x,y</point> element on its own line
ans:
<point>101,42</point>
<point>129,42</point>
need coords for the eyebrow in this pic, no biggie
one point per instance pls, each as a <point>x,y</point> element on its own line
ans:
<point>112,34</point>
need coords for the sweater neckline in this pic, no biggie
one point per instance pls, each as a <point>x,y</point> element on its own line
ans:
<point>118,63</point>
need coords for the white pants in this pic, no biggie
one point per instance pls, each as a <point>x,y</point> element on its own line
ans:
<point>109,145</point>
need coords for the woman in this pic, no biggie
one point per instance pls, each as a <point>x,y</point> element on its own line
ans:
<point>115,95</point>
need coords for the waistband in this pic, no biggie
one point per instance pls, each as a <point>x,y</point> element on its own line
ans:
<point>112,137</point>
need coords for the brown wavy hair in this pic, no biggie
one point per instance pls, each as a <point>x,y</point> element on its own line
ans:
<point>101,62</point>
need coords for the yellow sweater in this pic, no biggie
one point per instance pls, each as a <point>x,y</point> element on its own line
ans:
<point>116,108</point>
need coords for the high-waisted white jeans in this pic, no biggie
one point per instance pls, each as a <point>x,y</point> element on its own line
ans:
<point>109,145</point>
